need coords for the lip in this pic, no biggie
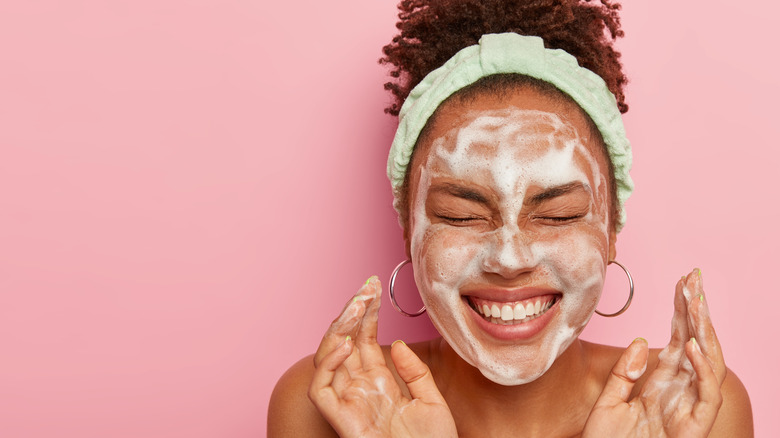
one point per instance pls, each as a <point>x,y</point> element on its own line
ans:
<point>513,332</point>
<point>507,295</point>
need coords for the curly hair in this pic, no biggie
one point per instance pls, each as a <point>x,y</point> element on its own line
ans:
<point>432,31</point>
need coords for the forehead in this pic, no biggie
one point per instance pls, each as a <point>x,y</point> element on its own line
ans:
<point>509,133</point>
<point>458,112</point>
<point>522,125</point>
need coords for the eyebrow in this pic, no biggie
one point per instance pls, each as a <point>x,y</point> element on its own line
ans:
<point>554,192</point>
<point>461,192</point>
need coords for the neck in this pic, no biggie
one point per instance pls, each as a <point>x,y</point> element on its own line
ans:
<point>560,399</point>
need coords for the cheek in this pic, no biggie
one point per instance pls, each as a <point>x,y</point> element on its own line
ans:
<point>580,255</point>
<point>576,263</point>
<point>448,255</point>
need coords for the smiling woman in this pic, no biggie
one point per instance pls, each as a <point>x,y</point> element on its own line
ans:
<point>510,170</point>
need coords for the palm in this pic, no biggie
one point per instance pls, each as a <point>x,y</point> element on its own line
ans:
<point>681,397</point>
<point>387,413</point>
<point>356,392</point>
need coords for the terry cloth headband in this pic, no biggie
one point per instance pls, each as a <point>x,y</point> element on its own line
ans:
<point>526,55</point>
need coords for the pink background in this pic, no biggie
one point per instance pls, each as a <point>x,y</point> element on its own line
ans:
<point>190,191</point>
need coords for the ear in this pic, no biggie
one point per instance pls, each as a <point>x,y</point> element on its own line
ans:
<point>612,244</point>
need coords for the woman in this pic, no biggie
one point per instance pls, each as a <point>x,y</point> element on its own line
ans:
<point>510,170</point>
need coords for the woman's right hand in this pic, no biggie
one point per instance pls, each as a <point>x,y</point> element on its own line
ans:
<point>355,390</point>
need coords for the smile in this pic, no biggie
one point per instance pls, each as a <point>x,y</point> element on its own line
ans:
<point>509,313</point>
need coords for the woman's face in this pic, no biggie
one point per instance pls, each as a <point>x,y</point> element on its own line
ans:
<point>508,230</point>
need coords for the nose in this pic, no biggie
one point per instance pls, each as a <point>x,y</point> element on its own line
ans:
<point>509,254</point>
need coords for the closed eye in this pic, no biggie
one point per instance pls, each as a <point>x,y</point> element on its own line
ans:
<point>459,219</point>
<point>561,218</point>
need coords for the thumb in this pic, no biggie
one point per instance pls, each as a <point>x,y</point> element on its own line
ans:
<point>415,373</point>
<point>627,370</point>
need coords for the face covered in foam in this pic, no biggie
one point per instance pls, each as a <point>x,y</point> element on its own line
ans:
<point>509,231</point>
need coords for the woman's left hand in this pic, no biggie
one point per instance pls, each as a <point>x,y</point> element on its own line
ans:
<point>682,396</point>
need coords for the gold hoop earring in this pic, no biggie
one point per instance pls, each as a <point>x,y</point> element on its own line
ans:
<point>392,292</point>
<point>630,292</point>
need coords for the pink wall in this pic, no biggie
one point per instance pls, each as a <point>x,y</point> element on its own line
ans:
<point>190,190</point>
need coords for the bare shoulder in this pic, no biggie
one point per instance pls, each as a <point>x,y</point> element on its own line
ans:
<point>290,412</point>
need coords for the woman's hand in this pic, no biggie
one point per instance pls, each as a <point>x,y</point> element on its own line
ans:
<point>356,392</point>
<point>681,397</point>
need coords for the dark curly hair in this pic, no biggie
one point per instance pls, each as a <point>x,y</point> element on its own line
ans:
<point>432,31</point>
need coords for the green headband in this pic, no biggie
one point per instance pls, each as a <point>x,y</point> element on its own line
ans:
<point>526,55</point>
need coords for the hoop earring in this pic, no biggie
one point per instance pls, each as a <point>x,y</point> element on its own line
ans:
<point>392,292</point>
<point>630,292</point>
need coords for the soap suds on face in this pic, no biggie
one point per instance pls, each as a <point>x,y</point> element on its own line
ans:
<point>510,151</point>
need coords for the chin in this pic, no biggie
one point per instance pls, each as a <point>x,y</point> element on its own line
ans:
<point>516,365</point>
<point>508,355</point>
<point>514,374</point>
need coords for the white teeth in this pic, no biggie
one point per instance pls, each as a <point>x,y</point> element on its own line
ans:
<point>507,313</point>
<point>519,312</point>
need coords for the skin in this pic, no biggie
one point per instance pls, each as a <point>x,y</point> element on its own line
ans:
<point>357,388</point>
<point>526,209</point>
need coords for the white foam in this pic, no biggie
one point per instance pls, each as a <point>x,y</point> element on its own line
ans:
<point>380,390</point>
<point>509,151</point>
<point>676,391</point>
<point>636,373</point>
<point>686,293</point>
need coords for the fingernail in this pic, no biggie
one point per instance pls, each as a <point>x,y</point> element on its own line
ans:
<point>397,341</point>
<point>348,338</point>
<point>701,298</point>
<point>698,271</point>
<point>693,340</point>
<point>371,278</point>
<point>640,338</point>
<point>683,278</point>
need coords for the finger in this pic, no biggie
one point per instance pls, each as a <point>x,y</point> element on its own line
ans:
<point>321,389</point>
<point>680,317</point>
<point>703,330</point>
<point>415,373</point>
<point>627,370</point>
<point>710,398</point>
<point>370,352</point>
<point>692,291</point>
<point>345,325</point>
